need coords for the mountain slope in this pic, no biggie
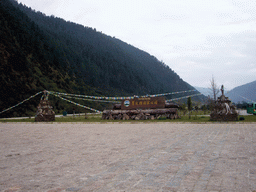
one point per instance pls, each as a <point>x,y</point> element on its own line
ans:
<point>105,61</point>
<point>246,93</point>
<point>40,52</point>
<point>28,63</point>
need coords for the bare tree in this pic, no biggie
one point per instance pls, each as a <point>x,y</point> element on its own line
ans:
<point>214,89</point>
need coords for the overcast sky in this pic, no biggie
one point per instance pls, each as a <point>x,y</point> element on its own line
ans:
<point>198,39</point>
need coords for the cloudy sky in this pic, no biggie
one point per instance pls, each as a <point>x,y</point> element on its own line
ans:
<point>198,39</point>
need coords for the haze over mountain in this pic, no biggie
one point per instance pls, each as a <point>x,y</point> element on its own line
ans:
<point>203,90</point>
<point>207,91</point>
<point>244,93</point>
<point>40,52</point>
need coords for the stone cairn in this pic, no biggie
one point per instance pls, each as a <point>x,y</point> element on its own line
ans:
<point>223,109</point>
<point>44,110</point>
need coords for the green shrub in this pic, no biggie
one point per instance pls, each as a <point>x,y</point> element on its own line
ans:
<point>241,118</point>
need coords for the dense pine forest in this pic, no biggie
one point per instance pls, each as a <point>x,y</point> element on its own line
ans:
<point>39,52</point>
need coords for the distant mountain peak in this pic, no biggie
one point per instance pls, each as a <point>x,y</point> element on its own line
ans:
<point>243,93</point>
<point>203,90</point>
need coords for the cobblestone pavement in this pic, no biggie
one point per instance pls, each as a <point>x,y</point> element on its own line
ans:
<point>127,157</point>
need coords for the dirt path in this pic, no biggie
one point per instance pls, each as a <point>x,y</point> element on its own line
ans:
<point>127,157</point>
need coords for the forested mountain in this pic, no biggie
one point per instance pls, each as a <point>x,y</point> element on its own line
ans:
<point>243,93</point>
<point>40,52</point>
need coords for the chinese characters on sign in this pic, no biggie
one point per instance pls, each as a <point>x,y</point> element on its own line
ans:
<point>143,103</point>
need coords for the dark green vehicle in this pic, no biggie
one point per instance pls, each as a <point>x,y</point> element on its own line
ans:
<point>251,108</point>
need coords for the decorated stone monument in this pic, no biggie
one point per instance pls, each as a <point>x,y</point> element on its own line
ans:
<point>141,109</point>
<point>44,110</point>
<point>223,110</point>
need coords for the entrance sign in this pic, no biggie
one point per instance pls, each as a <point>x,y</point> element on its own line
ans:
<point>143,103</point>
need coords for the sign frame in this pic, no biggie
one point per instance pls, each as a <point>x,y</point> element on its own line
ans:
<point>143,103</point>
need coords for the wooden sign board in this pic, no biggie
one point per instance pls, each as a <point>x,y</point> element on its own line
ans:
<point>143,103</point>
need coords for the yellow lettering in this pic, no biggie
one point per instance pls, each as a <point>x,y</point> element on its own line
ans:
<point>140,103</point>
<point>144,99</point>
<point>155,102</point>
<point>144,102</point>
<point>132,102</point>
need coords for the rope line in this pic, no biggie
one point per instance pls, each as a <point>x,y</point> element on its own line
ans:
<point>118,98</point>
<point>97,111</point>
<point>96,98</point>
<point>106,101</point>
<point>184,97</point>
<point>77,104</point>
<point>45,95</point>
<point>20,102</point>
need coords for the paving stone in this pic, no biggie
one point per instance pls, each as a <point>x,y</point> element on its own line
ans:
<point>127,157</point>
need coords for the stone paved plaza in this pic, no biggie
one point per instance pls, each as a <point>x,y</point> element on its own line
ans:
<point>127,157</point>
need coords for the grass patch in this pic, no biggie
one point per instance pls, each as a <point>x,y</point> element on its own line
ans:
<point>91,118</point>
<point>247,118</point>
<point>17,120</point>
